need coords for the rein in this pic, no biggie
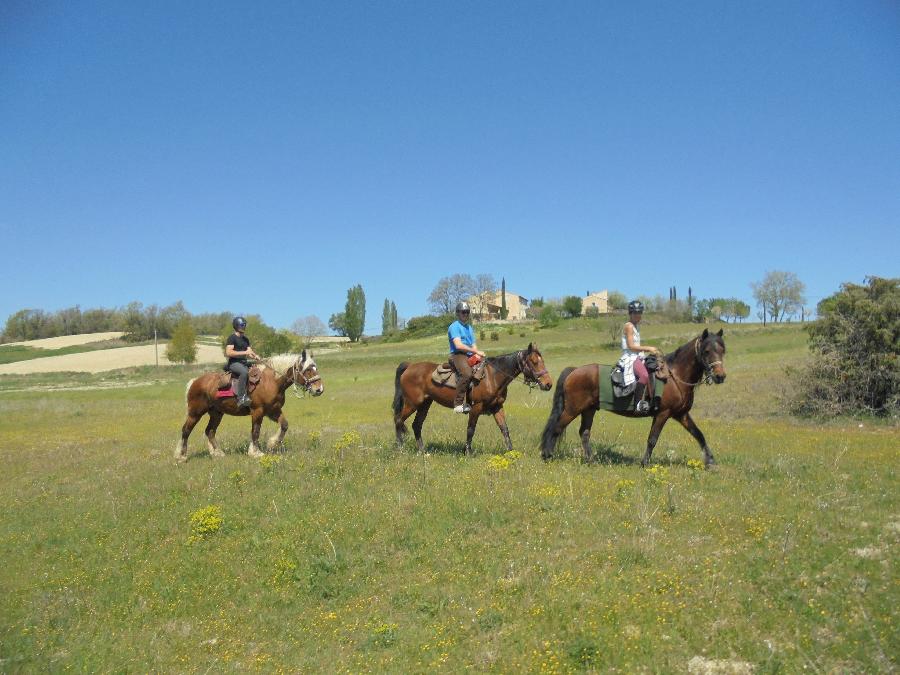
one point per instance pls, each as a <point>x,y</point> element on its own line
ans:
<point>297,373</point>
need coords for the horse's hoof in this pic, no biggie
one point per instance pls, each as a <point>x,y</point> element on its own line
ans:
<point>253,452</point>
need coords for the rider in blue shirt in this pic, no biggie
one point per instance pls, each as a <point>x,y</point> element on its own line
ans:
<point>462,347</point>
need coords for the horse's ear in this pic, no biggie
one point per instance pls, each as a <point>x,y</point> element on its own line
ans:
<point>705,334</point>
<point>303,356</point>
<point>721,332</point>
<point>530,347</point>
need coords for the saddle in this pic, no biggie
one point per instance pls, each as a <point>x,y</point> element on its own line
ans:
<point>227,380</point>
<point>445,375</point>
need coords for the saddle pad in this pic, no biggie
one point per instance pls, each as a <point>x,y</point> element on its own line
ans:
<point>445,376</point>
<point>608,401</point>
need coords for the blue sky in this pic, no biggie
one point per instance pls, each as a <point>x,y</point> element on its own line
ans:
<point>564,146</point>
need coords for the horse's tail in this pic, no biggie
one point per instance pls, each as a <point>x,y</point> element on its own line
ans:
<point>551,435</point>
<point>398,390</point>
<point>187,389</point>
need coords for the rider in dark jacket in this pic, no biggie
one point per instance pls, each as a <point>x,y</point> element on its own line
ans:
<point>238,350</point>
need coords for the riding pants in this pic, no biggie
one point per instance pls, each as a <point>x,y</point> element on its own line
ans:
<point>640,372</point>
<point>243,372</point>
<point>460,363</point>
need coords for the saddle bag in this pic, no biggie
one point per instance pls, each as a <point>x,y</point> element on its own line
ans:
<point>617,377</point>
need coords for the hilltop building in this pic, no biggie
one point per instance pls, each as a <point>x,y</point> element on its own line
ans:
<point>486,306</point>
<point>598,299</point>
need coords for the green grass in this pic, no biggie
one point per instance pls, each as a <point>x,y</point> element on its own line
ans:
<point>345,554</point>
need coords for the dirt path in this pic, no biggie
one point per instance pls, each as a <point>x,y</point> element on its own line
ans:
<point>105,359</point>
<point>69,340</point>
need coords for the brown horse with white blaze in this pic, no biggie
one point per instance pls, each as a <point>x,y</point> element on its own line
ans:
<point>266,400</point>
<point>578,393</point>
<point>414,392</point>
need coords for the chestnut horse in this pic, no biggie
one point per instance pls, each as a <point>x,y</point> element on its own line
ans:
<point>266,400</point>
<point>578,393</point>
<point>414,392</point>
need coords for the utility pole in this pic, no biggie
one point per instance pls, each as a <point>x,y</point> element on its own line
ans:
<point>155,347</point>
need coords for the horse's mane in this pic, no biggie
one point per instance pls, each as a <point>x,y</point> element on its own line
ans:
<point>688,348</point>
<point>279,362</point>
<point>505,361</point>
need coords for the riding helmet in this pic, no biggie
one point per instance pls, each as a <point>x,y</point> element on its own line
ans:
<point>239,323</point>
<point>462,307</point>
<point>635,307</point>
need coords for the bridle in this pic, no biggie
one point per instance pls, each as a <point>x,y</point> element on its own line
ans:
<point>707,376</point>
<point>530,378</point>
<point>305,382</point>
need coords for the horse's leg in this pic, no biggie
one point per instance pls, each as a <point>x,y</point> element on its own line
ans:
<point>659,421</point>
<point>421,414</point>
<point>693,430</point>
<point>470,430</point>
<point>215,417</point>
<point>565,418</point>
<point>500,419</point>
<point>399,420</point>
<point>186,429</point>
<point>276,439</point>
<point>587,421</point>
<point>256,426</point>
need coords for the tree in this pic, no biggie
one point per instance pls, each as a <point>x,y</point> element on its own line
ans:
<point>183,347</point>
<point>307,328</point>
<point>355,313</point>
<point>395,320</point>
<point>338,323</point>
<point>572,305</point>
<point>617,300</point>
<point>484,287</point>
<point>779,295</point>
<point>449,291</point>
<point>504,310</point>
<point>386,318</point>
<point>549,316</point>
<point>856,342</point>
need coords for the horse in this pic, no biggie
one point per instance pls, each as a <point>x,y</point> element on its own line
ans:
<point>578,393</point>
<point>414,392</point>
<point>266,400</point>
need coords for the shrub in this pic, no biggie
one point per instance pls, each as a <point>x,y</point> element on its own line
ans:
<point>549,316</point>
<point>183,347</point>
<point>494,336</point>
<point>855,368</point>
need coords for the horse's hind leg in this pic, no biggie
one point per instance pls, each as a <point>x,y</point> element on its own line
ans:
<point>399,420</point>
<point>186,429</point>
<point>693,430</point>
<point>278,439</point>
<point>587,420</point>
<point>500,419</point>
<point>215,417</point>
<point>421,414</point>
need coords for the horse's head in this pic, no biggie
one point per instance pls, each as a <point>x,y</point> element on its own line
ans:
<point>711,352</point>
<point>533,368</point>
<point>306,374</point>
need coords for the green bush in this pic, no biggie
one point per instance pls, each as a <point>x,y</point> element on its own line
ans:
<point>855,368</point>
<point>183,347</point>
<point>494,336</point>
<point>549,316</point>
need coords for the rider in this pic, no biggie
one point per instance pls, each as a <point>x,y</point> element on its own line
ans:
<point>237,349</point>
<point>633,353</point>
<point>462,347</point>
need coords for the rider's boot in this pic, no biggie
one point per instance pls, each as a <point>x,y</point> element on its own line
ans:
<point>640,405</point>
<point>654,399</point>
<point>244,401</point>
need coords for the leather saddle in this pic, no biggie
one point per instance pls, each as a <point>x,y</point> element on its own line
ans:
<point>228,379</point>
<point>445,375</point>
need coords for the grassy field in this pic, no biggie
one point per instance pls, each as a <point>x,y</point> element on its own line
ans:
<point>343,554</point>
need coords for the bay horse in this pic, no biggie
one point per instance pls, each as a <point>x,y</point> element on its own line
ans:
<point>266,400</point>
<point>414,392</point>
<point>578,393</point>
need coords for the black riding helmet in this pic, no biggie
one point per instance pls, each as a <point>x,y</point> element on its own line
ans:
<point>239,323</point>
<point>462,308</point>
<point>635,307</point>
